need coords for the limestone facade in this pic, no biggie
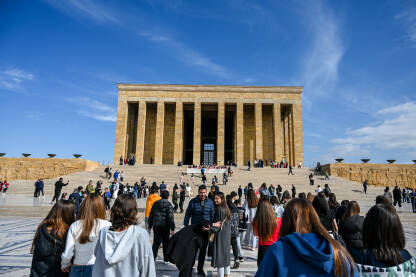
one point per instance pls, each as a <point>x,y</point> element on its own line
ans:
<point>403,175</point>
<point>35,168</point>
<point>197,124</point>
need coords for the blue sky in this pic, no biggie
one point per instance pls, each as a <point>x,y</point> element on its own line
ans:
<point>60,61</point>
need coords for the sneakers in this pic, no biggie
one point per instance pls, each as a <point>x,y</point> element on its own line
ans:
<point>166,263</point>
<point>241,259</point>
<point>236,265</point>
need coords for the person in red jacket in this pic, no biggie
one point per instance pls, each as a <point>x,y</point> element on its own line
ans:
<point>266,226</point>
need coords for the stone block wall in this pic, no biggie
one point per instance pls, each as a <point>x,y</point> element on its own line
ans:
<point>169,134</point>
<point>46,168</point>
<point>403,175</point>
<point>249,132</point>
<point>150,133</point>
<point>267,132</point>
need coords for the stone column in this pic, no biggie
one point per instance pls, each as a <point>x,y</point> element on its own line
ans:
<point>277,133</point>
<point>177,154</point>
<point>197,134</point>
<point>240,134</point>
<point>220,133</point>
<point>298,133</point>
<point>159,132</point>
<point>259,131</point>
<point>141,131</point>
<point>121,130</point>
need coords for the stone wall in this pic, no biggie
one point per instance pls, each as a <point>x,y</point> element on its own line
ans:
<point>46,168</point>
<point>403,175</point>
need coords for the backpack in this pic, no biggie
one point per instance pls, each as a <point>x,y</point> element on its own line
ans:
<point>72,198</point>
<point>242,226</point>
<point>235,222</point>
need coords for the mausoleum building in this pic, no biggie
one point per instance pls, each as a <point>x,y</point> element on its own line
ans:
<point>208,124</point>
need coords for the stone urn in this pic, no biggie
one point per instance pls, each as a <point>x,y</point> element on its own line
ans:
<point>2,154</point>
<point>26,155</point>
<point>390,161</point>
<point>339,160</point>
<point>365,160</point>
<point>77,155</point>
<point>51,155</point>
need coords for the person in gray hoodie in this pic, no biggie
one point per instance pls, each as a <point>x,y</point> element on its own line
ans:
<point>124,249</point>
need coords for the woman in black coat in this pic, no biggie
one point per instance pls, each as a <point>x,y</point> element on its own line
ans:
<point>49,241</point>
<point>222,240</point>
<point>351,226</point>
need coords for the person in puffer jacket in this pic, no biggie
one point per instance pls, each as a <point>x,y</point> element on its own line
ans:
<point>351,225</point>
<point>163,224</point>
<point>383,253</point>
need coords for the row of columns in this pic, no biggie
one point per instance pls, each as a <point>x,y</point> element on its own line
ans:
<point>295,118</point>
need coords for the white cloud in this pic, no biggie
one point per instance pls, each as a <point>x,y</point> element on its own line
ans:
<point>96,109</point>
<point>86,8</point>
<point>186,53</point>
<point>324,54</point>
<point>395,130</point>
<point>13,78</point>
<point>408,18</point>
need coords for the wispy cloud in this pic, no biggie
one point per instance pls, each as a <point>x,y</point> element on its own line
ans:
<point>94,109</point>
<point>13,78</point>
<point>396,130</point>
<point>408,18</point>
<point>186,54</point>
<point>324,54</point>
<point>86,8</point>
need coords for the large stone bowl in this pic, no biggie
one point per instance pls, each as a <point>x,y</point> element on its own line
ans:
<point>365,160</point>
<point>26,155</point>
<point>51,155</point>
<point>77,155</point>
<point>2,154</point>
<point>390,161</point>
<point>339,160</point>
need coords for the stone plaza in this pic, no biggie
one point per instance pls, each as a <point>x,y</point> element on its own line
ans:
<point>20,212</point>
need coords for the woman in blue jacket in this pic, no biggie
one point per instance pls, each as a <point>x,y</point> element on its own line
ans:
<point>305,248</point>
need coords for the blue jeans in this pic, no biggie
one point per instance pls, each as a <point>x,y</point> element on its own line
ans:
<point>81,271</point>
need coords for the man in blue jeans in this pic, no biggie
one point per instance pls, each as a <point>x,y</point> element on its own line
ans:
<point>200,209</point>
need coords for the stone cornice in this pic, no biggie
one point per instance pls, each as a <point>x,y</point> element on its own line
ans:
<point>210,88</point>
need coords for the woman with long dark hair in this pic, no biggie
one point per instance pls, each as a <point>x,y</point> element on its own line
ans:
<point>250,207</point>
<point>305,248</point>
<point>222,240</point>
<point>384,241</point>
<point>351,225</point>
<point>78,257</point>
<point>49,241</point>
<point>322,209</point>
<point>124,249</point>
<point>266,226</point>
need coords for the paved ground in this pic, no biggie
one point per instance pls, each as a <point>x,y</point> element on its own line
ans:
<point>20,212</point>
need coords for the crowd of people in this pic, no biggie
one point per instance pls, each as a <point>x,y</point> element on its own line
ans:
<point>294,234</point>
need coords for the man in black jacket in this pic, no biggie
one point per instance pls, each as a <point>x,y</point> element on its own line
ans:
<point>397,196</point>
<point>182,198</point>
<point>162,221</point>
<point>58,188</point>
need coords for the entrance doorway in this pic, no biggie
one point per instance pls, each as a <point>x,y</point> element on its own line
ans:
<point>209,154</point>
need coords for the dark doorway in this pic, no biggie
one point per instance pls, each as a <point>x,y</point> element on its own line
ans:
<point>188,133</point>
<point>209,123</point>
<point>229,139</point>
